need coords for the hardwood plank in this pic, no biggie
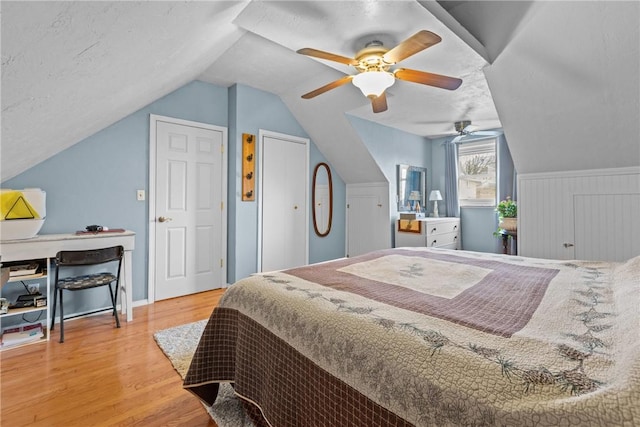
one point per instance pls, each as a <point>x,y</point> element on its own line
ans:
<point>102,375</point>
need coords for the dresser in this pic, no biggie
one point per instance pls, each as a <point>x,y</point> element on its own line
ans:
<point>430,232</point>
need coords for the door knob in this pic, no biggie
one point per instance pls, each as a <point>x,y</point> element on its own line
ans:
<point>164,219</point>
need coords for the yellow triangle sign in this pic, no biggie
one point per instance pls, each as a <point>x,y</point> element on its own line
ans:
<point>13,205</point>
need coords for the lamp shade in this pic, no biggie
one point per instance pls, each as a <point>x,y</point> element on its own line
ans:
<point>435,195</point>
<point>414,195</point>
<point>373,83</point>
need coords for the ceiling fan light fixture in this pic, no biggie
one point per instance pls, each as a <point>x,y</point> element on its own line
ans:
<point>373,83</point>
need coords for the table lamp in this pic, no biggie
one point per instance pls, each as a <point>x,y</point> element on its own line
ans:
<point>414,196</point>
<point>435,196</point>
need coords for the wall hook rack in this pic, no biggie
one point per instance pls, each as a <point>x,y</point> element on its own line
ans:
<point>248,167</point>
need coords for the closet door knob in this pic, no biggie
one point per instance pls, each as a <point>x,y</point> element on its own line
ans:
<point>164,219</point>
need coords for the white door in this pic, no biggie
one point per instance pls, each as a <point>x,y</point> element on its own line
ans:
<point>189,214</point>
<point>368,223</point>
<point>283,201</point>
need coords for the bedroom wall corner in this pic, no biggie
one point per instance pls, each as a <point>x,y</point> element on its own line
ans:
<point>251,110</point>
<point>390,147</point>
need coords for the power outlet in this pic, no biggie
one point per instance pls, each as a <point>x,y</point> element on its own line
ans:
<point>140,195</point>
<point>33,288</point>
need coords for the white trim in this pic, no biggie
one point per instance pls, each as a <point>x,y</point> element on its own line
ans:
<point>141,302</point>
<point>368,184</point>
<point>631,170</point>
<point>261,135</point>
<point>151,197</point>
<point>93,312</point>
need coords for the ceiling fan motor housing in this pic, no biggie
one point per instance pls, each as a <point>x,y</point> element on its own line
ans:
<point>370,58</point>
<point>461,125</point>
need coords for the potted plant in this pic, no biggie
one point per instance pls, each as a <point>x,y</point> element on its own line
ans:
<point>508,214</point>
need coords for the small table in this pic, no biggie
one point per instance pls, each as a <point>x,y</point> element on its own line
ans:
<point>506,247</point>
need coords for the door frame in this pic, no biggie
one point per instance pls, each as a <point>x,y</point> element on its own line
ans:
<point>260,149</point>
<point>151,197</point>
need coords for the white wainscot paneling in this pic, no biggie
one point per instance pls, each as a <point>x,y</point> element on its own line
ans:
<point>580,214</point>
<point>605,226</point>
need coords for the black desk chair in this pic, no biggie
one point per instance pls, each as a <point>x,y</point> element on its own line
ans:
<point>74,259</point>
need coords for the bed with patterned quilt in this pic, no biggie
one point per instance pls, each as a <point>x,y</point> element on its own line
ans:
<point>429,337</point>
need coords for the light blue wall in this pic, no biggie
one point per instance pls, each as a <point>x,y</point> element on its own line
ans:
<point>251,110</point>
<point>390,147</point>
<point>477,223</point>
<point>95,181</point>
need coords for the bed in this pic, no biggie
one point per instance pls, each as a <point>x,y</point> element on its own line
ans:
<point>429,337</point>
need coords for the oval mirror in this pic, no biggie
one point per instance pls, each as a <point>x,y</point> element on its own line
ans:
<point>322,199</point>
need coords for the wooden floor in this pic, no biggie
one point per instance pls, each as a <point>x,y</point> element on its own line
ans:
<point>103,376</point>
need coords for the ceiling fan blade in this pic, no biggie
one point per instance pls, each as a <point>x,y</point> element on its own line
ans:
<point>327,87</point>
<point>422,77</point>
<point>326,55</point>
<point>414,44</point>
<point>379,103</point>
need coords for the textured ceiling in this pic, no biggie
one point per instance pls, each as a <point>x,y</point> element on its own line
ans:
<point>70,69</point>
<point>563,76</point>
<point>344,28</point>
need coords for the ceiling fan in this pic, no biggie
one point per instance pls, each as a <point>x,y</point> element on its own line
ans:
<point>466,129</point>
<point>374,63</point>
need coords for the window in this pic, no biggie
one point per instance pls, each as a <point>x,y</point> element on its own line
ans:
<point>477,173</point>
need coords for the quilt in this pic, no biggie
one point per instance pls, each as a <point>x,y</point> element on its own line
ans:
<point>424,337</point>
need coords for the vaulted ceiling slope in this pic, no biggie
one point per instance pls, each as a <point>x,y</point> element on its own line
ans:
<point>565,79</point>
<point>563,76</point>
<point>70,69</point>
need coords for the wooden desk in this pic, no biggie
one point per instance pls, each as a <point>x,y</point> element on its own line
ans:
<point>506,247</point>
<point>48,245</point>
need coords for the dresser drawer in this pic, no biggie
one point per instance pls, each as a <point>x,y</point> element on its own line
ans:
<point>443,239</point>
<point>441,227</point>
<point>429,232</point>
<point>409,239</point>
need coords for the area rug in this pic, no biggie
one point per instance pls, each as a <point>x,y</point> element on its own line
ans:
<point>178,344</point>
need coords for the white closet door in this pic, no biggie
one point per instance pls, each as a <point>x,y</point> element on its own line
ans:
<point>283,199</point>
<point>368,224</point>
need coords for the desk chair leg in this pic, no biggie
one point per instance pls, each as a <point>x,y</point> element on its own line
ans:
<point>113,301</point>
<point>53,312</point>
<point>61,318</point>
